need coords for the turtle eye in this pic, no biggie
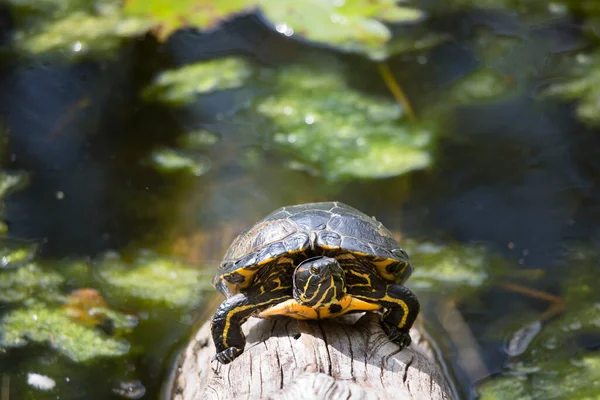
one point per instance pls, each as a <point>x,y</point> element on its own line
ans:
<point>314,270</point>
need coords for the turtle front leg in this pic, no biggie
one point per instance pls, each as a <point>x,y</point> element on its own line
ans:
<point>226,328</point>
<point>401,310</point>
<point>400,305</point>
<point>226,324</point>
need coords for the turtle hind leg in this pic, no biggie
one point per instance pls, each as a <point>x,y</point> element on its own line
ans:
<point>226,324</point>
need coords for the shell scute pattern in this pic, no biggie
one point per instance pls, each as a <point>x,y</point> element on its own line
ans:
<point>311,220</point>
<point>334,227</point>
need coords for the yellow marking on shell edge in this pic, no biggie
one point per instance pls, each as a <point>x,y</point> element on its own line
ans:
<point>248,274</point>
<point>239,309</point>
<point>292,308</point>
<point>382,269</point>
<point>233,287</point>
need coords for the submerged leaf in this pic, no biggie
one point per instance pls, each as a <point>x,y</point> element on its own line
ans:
<point>184,84</point>
<point>583,86</point>
<point>575,378</point>
<point>30,280</point>
<point>354,26</point>
<point>168,16</point>
<point>451,267</point>
<point>170,160</point>
<point>11,181</point>
<point>481,85</point>
<point>151,278</point>
<point>198,139</point>
<point>52,326</point>
<point>16,253</point>
<point>553,365</point>
<point>79,29</point>
<point>87,306</point>
<point>327,126</point>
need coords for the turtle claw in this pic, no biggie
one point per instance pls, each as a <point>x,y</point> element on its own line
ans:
<point>228,355</point>
<point>399,336</point>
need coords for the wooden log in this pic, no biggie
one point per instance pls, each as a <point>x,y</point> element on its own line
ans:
<point>330,359</point>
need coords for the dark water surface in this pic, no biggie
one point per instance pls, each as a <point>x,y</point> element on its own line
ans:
<point>515,175</point>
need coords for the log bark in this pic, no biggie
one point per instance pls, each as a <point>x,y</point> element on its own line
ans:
<point>291,359</point>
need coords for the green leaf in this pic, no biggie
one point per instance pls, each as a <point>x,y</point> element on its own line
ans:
<point>15,253</point>
<point>52,326</point>
<point>150,278</point>
<point>182,85</point>
<point>168,16</point>
<point>324,125</point>
<point>553,366</point>
<point>583,86</point>
<point>353,26</point>
<point>174,160</point>
<point>28,281</point>
<point>198,139</point>
<point>448,267</point>
<point>11,181</point>
<point>481,85</point>
<point>75,28</point>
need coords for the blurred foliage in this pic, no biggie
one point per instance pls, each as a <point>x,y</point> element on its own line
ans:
<point>182,85</point>
<point>447,268</point>
<point>82,27</point>
<point>29,282</point>
<point>150,278</point>
<point>325,125</point>
<point>177,160</point>
<point>38,315</point>
<point>353,26</point>
<point>74,27</point>
<point>15,253</point>
<point>198,139</point>
<point>11,181</point>
<point>318,117</point>
<point>554,365</point>
<point>583,86</point>
<point>73,324</point>
<point>459,269</point>
<point>304,104</point>
<point>43,324</point>
<point>481,85</point>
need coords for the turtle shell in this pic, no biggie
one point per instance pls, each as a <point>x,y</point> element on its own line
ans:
<point>330,228</point>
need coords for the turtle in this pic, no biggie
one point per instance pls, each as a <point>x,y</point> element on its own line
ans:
<point>312,261</point>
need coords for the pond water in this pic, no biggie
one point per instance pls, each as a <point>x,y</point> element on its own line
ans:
<point>503,222</point>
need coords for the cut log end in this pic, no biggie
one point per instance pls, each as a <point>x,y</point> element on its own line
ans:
<point>291,359</point>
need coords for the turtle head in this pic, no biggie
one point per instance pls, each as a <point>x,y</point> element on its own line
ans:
<point>319,281</point>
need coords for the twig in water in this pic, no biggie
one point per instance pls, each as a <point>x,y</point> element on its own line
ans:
<point>394,87</point>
